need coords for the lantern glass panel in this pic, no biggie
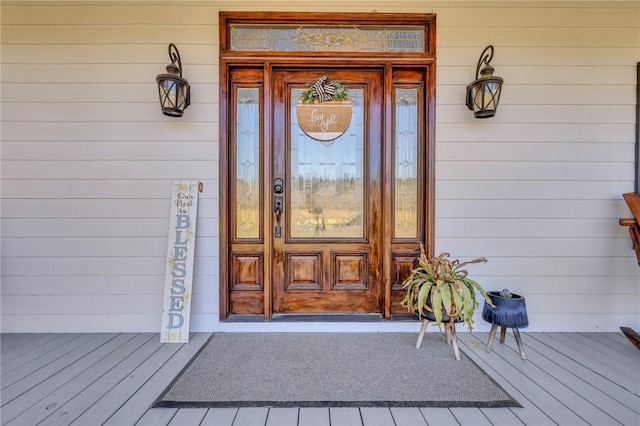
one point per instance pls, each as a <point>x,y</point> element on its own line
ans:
<point>491,93</point>
<point>170,94</point>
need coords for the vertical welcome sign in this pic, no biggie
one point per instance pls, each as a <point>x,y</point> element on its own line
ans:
<point>180,254</point>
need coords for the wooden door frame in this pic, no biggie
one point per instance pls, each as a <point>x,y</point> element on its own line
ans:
<point>388,61</point>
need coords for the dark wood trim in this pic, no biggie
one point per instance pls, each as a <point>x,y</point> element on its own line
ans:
<point>320,18</point>
<point>388,63</point>
<point>388,211</point>
<point>224,183</point>
<point>637,169</point>
<point>430,197</point>
<point>267,172</point>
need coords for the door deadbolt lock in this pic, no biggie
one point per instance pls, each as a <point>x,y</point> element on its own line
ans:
<point>278,186</point>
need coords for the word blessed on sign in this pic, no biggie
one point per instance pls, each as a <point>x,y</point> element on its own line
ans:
<point>180,255</point>
<point>324,121</point>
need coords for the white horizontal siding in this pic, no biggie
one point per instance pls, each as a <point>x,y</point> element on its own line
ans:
<point>98,227</point>
<point>88,162</point>
<point>87,208</point>
<point>106,188</point>
<point>113,131</point>
<point>58,264</point>
<point>87,158</point>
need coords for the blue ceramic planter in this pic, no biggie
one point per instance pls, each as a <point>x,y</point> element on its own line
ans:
<point>510,312</point>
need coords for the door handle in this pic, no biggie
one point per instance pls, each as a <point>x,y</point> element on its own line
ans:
<point>277,209</point>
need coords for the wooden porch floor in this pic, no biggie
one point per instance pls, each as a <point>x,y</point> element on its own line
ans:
<point>112,379</point>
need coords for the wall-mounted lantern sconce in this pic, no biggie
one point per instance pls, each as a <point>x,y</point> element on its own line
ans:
<point>483,94</point>
<point>174,91</point>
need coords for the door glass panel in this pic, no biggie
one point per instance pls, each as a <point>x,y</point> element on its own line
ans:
<point>406,167</point>
<point>328,38</point>
<point>326,188</point>
<point>247,163</point>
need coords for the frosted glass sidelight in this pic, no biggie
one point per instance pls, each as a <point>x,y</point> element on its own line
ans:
<point>247,163</point>
<point>406,164</point>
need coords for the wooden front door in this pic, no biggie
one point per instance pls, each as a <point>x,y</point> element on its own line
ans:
<point>315,225</point>
<point>327,201</point>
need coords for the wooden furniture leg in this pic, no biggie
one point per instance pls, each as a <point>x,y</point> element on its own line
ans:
<point>425,323</point>
<point>516,333</point>
<point>631,335</point>
<point>492,336</point>
<point>454,340</point>
<point>503,334</point>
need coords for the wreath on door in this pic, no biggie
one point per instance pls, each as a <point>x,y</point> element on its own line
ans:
<point>324,109</point>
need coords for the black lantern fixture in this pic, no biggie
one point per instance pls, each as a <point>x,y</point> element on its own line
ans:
<point>174,91</point>
<point>483,94</point>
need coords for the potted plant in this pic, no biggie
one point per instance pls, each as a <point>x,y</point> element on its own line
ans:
<point>507,310</point>
<point>439,290</point>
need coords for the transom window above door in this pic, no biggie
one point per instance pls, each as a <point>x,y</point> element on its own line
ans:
<point>327,38</point>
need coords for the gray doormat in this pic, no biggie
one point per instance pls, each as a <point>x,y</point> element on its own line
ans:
<point>331,370</point>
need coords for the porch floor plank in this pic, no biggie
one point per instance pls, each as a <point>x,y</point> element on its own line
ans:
<point>219,417</point>
<point>73,409</point>
<point>512,380</point>
<point>439,416</point>
<point>470,416</point>
<point>137,405</point>
<point>313,416</point>
<point>376,416</point>
<point>103,378</point>
<point>615,341</point>
<point>501,417</point>
<point>345,416</point>
<point>574,392</point>
<point>251,416</point>
<point>593,360</point>
<point>115,398</point>
<point>615,358</point>
<point>282,417</point>
<point>568,404</point>
<point>410,416</point>
<point>67,391</point>
<point>594,388</point>
<point>14,343</point>
<point>39,367</point>
<point>157,416</point>
<point>187,417</point>
<point>30,350</point>
<point>32,391</point>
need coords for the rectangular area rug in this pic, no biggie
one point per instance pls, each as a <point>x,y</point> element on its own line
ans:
<point>331,370</point>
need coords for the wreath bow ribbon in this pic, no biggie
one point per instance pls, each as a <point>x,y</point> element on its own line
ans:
<point>324,89</point>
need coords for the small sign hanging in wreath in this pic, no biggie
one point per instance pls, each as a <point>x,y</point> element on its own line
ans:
<point>324,110</point>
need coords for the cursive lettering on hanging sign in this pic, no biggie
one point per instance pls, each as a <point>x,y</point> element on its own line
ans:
<point>322,121</point>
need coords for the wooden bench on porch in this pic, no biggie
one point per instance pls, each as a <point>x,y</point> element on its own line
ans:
<point>633,201</point>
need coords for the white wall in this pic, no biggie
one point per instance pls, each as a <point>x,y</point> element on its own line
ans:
<point>87,157</point>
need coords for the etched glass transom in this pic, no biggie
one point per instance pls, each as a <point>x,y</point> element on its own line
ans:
<point>327,38</point>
